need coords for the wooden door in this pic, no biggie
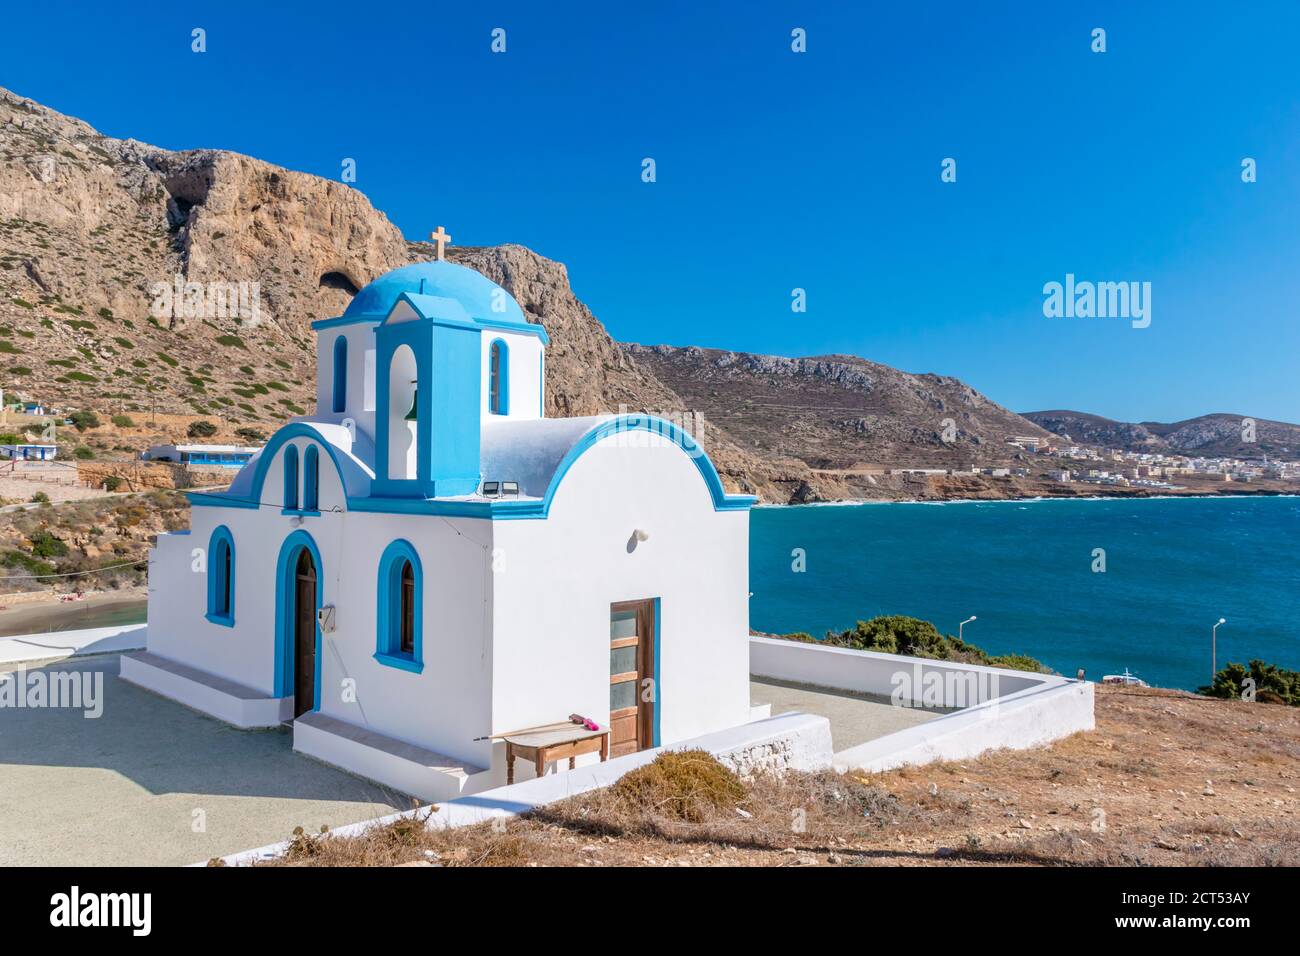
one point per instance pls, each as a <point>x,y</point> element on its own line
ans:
<point>304,635</point>
<point>632,689</point>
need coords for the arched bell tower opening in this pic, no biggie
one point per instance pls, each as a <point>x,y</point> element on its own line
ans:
<point>403,419</point>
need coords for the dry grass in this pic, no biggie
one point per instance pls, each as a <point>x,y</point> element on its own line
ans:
<point>1133,792</point>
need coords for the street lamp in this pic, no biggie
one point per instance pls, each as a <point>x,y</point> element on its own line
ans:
<point>963,624</point>
<point>1214,649</point>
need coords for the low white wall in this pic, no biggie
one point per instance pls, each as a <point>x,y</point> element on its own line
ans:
<point>51,645</point>
<point>1027,719</point>
<point>908,680</point>
<point>788,742</point>
<point>999,708</point>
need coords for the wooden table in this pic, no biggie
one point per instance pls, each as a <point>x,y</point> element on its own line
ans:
<point>554,743</point>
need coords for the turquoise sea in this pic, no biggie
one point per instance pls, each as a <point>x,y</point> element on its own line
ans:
<point>1025,568</point>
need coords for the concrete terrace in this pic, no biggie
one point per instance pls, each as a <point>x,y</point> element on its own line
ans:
<point>124,788</point>
<point>855,718</point>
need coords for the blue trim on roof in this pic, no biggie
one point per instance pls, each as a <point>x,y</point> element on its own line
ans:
<point>474,322</point>
<point>263,465</point>
<point>505,510</point>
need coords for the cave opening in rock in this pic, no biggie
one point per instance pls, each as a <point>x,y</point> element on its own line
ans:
<point>337,280</point>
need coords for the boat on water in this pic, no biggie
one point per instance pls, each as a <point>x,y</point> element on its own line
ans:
<point>1125,678</point>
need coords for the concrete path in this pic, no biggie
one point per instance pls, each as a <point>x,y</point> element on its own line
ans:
<point>150,782</point>
<point>855,718</point>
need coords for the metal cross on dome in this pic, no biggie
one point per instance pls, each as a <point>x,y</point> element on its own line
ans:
<point>440,240</point>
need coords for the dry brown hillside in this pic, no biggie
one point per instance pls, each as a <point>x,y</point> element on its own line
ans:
<point>89,225</point>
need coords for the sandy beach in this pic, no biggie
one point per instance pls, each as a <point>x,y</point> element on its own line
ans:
<point>21,614</point>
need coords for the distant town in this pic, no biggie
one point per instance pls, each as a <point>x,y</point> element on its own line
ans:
<point>1070,463</point>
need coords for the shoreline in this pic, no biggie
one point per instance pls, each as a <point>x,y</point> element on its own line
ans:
<point>857,502</point>
<point>51,615</point>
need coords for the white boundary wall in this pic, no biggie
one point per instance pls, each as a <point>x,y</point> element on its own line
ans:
<point>788,742</point>
<point>999,708</point>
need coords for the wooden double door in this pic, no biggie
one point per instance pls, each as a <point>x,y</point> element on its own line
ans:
<point>633,686</point>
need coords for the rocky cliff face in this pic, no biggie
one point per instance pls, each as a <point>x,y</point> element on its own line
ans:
<point>90,227</point>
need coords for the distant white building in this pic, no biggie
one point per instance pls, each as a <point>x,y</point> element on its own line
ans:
<point>229,456</point>
<point>429,561</point>
<point>29,452</point>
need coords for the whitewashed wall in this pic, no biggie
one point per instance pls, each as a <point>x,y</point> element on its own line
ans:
<point>443,708</point>
<point>558,578</point>
<point>525,386</point>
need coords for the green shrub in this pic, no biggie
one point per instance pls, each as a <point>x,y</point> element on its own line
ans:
<point>40,498</point>
<point>201,429</point>
<point>83,452</point>
<point>250,435</point>
<point>84,419</point>
<point>46,545</point>
<point>125,343</point>
<point>231,340</point>
<point>123,421</point>
<point>112,482</point>
<point>20,560</point>
<point>168,359</point>
<point>8,347</point>
<point>1272,683</point>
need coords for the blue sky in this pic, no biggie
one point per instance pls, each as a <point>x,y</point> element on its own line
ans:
<point>778,170</point>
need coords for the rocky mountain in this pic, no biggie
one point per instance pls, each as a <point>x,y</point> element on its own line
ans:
<point>1215,435</point>
<point>97,233</point>
<point>138,279</point>
<point>838,412</point>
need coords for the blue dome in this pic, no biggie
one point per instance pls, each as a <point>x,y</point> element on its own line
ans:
<point>446,279</point>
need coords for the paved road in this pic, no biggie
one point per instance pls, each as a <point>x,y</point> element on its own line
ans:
<point>151,782</point>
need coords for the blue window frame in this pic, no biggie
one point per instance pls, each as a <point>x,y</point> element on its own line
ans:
<point>340,373</point>
<point>311,480</point>
<point>498,378</point>
<point>401,608</point>
<point>291,478</point>
<point>221,577</point>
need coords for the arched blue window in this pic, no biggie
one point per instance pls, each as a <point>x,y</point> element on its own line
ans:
<point>498,378</point>
<point>401,608</point>
<point>221,577</point>
<point>311,479</point>
<point>291,478</point>
<point>340,373</point>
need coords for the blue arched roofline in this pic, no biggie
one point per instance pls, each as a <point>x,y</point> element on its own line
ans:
<point>285,569</point>
<point>220,535</point>
<point>387,650</point>
<point>678,436</point>
<point>495,510</point>
<point>262,466</point>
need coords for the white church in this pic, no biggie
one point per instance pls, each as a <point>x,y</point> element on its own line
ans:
<point>429,564</point>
